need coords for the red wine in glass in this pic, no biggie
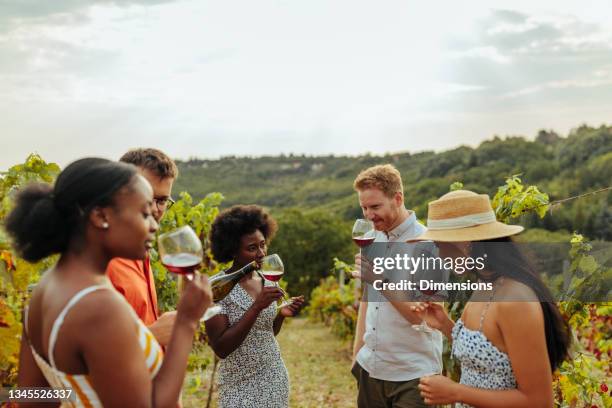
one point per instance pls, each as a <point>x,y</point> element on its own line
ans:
<point>273,276</point>
<point>272,269</point>
<point>180,251</point>
<point>363,241</point>
<point>363,233</point>
<point>181,263</point>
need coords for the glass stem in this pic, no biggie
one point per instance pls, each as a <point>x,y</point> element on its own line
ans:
<point>283,290</point>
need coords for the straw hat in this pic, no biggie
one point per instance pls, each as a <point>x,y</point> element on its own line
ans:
<point>463,215</point>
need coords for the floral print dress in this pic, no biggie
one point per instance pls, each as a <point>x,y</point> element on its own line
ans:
<point>482,364</point>
<point>254,375</point>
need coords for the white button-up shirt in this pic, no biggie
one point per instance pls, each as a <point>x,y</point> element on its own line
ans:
<point>393,350</point>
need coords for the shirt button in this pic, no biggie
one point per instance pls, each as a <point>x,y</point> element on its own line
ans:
<point>376,307</point>
<point>373,328</point>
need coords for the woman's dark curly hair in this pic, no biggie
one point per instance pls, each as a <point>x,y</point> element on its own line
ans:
<point>235,222</point>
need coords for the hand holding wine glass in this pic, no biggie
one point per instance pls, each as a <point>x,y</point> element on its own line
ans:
<point>438,316</point>
<point>363,235</point>
<point>267,296</point>
<point>272,269</point>
<point>195,299</point>
<point>363,269</point>
<point>425,279</point>
<point>180,251</point>
<point>294,307</point>
<point>438,390</point>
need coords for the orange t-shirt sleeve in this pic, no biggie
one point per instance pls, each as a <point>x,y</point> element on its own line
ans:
<point>125,275</point>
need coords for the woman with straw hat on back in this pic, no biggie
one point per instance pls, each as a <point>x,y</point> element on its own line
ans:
<point>511,340</point>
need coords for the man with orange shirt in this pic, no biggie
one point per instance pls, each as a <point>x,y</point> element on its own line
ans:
<point>134,279</point>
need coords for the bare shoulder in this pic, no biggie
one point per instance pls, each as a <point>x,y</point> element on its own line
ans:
<point>520,316</point>
<point>512,290</point>
<point>100,308</point>
<point>519,310</point>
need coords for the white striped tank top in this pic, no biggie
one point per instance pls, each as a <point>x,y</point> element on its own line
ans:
<point>85,395</point>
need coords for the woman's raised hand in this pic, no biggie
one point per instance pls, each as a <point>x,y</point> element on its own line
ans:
<point>267,296</point>
<point>293,308</point>
<point>433,313</point>
<point>438,390</point>
<point>196,297</point>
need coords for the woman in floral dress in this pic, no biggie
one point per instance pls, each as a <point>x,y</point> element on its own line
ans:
<point>252,372</point>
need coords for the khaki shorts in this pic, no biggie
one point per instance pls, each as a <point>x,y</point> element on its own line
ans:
<point>374,393</point>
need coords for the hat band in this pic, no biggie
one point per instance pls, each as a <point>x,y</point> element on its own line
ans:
<point>465,221</point>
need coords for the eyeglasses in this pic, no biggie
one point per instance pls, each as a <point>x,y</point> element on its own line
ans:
<point>163,203</point>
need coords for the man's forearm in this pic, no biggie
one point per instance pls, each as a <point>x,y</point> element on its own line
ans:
<point>160,335</point>
<point>360,329</point>
<point>405,309</point>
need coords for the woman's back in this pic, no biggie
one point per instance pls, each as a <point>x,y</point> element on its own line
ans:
<point>55,333</point>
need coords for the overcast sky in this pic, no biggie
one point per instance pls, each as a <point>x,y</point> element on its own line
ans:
<point>214,78</point>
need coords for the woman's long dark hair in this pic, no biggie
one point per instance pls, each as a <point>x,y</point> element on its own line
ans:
<point>505,258</point>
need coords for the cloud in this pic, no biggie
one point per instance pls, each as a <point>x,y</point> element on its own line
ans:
<point>36,9</point>
<point>516,58</point>
<point>23,14</point>
<point>509,16</point>
<point>196,77</point>
<point>66,50</point>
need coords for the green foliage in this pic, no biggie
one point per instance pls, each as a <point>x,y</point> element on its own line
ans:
<point>583,144</point>
<point>547,137</point>
<point>585,278</point>
<point>583,380</point>
<point>16,275</point>
<point>457,185</point>
<point>512,200</point>
<point>334,303</point>
<point>35,169</point>
<point>196,365</point>
<point>578,381</point>
<point>511,152</point>
<point>561,166</point>
<point>199,217</point>
<point>542,235</point>
<point>307,242</point>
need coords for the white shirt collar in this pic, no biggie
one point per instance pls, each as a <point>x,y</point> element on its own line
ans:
<point>397,232</point>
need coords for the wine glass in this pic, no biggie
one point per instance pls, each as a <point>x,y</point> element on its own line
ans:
<point>363,232</point>
<point>427,293</point>
<point>363,236</point>
<point>180,251</point>
<point>272,269</point>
